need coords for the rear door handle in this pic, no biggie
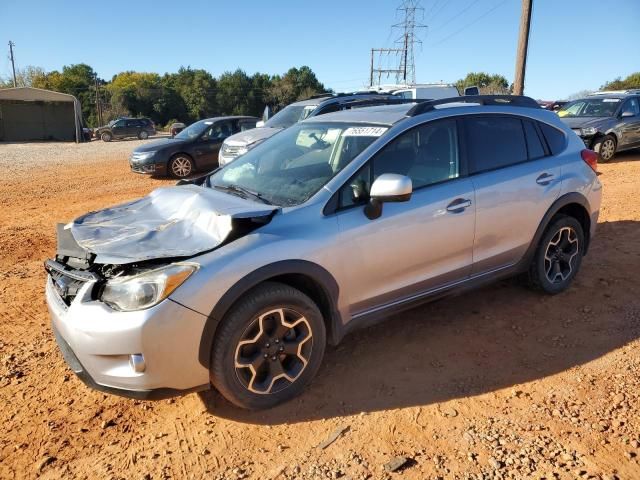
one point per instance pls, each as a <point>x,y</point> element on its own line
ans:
<point>545,179</point>
<point>458,205</point>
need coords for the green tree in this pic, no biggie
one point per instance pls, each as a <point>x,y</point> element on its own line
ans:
<point>25,77</point>
<point>296,84</point>
<point>631,81</point>
<point>190,94</point>
<point>487,83</point>
<point>138,93</point>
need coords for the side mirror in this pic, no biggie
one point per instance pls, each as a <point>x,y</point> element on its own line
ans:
<point>627,114</point>
<point>471,91</point>
<point>260,123</point>
<point>388,187</point>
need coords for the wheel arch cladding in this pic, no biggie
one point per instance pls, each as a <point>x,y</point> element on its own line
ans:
<point>572,204</point>
<point>310,278</point>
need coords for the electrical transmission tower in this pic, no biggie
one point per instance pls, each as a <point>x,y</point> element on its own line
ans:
<point>404,67</point>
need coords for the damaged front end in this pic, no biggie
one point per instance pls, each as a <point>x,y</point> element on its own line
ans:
<point>140,248</point>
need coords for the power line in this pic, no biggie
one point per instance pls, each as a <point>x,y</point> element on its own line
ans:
<point>469,24</point>
<point>440,27</point>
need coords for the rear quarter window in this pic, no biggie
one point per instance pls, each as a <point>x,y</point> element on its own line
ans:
<point>556,140</point>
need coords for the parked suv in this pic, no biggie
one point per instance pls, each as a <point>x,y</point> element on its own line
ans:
<point>238,279</point>
<point>317,105</point>
<point>125,128</point>
<point>194,148</point>
<point>607,122</point>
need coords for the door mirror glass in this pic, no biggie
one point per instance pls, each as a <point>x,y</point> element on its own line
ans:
<point>388,187</point>
<point>471,91</point>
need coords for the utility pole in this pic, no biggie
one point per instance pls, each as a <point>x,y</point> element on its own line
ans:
<point>98,105</point>
<point>523,45</point>
<point>13,65</point>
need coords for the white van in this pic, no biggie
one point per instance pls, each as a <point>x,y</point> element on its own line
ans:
<point>427,91</point>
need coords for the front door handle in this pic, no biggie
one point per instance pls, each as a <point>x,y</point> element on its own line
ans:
<point>545,179</point>
<point>458,205</point>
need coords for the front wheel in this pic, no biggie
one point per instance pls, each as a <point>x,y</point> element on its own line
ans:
<point>106,137</point>
<point>268,347</point>
<point>605,147</point>
<point>558,256</point>
<point>181,166</point>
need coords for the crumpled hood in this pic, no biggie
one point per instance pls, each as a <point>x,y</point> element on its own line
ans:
<point>250,136</point>
<point>177,221</point>
<point>580,122</point>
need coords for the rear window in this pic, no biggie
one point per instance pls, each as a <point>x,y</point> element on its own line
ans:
<point>494,142</point>
<point>554,137</point>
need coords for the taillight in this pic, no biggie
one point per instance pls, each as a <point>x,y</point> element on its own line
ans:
<point>591,158</point>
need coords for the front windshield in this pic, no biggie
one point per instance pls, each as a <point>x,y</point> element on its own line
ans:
<point>193,130</point>
<point>290,167</point>
<point>289,116</point>
<point>590,107</point>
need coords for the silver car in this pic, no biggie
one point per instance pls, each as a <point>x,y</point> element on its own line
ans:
<point>238,279</point>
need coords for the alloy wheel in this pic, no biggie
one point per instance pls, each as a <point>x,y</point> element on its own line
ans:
<point>181,167</point>
<point>560,256</point>
<point>273,351</point>
<point>607,149</point>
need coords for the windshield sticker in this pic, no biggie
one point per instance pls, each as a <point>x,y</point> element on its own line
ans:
<point>364,131</point>
<point>611,100</point>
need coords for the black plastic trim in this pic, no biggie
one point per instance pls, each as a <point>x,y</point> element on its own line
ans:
<point>496,100</point>
<point>312,270</point>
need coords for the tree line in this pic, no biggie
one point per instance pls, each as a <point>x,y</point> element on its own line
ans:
<point>187,95</point>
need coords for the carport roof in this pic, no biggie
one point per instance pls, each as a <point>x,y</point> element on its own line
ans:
<point>31,94</point>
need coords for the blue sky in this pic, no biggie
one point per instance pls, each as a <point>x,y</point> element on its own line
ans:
<point>574,45</point>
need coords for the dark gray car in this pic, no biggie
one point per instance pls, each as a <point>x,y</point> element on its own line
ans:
<point>607,122</point>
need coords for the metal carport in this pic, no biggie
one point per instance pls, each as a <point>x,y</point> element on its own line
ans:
<point>34,114</point>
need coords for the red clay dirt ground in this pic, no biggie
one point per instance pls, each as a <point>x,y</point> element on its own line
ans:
<point>499,383</point>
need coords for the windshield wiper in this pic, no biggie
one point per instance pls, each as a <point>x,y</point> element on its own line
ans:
<point>244,193</point>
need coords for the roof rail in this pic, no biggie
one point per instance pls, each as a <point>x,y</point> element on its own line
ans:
<point>321,95</point>
<point>390,100</point>
<point>500,100</point>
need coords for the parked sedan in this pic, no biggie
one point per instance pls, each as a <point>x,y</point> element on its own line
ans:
<point>194,148</point>
<point>607,122</point>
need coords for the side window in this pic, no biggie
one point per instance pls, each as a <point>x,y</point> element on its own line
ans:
<point>555,138</point>
<point>632,106</point>
<point>119,123</point>
<point>332,107</point>
<point>494,142</point>
<point>247,125</point>
<point>356,190</point>
<point>427,154</point>
<point>534,144</point>
<point>132,123</point>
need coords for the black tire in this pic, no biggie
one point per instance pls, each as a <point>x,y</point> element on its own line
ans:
<point>143,135</point>
<point>181,165</point>
<point>106,136</point>
<point>557,259</point>
<point>605,147</point>
<point>260,388</point>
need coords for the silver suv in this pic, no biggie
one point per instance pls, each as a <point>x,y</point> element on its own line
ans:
<point>238,279</point>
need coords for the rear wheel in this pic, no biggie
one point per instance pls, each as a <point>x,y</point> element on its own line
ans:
<point>559,255</point>
<point>143,135</point>
<point>181,166</point>
<point>106,136</point>
<point>268,347</point>
<point>605,147</point>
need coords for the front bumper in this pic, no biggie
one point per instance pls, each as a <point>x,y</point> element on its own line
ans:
<point>97,343</point>
<point>148,168</point>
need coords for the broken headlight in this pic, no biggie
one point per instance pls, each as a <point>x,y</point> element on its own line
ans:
<point>146,289</point>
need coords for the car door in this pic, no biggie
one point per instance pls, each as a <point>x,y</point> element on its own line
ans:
<point>119,129</point>
<point>414,246</point>
<point>630,125</point>
<point>132,128</point>
<point>208,145</point>
<point>516,179</point>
